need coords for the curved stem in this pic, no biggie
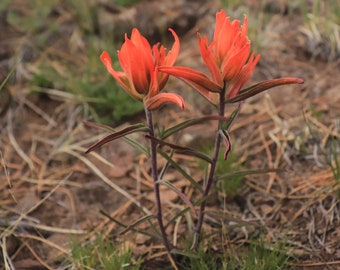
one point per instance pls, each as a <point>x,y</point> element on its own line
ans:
<point>153,153</point>
<point>210,180</point>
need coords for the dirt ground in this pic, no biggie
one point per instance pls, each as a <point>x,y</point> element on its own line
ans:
<point>50,190</point>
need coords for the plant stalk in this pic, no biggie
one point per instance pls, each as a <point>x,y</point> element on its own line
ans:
<point>210,180</point>
<point>154,172</point>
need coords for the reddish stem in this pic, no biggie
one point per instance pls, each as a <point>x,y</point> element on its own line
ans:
<point>210,180</point>
<point>153,153</point>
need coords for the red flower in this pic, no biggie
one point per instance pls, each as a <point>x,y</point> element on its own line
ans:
<point>227,58</point>
<point>140,77</point>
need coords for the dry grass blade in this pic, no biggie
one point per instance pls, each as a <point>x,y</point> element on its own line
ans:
<point>34,253</point>
<point>180,194</point>
<point>7,259</point>
<point>15,144</point>
<point>94,154</point>
<point>95,169</point>
<point>41,113</point>
<point>10,229</point>
<point>50,229</point>
<point>41,239</point>
<point>9,183</point>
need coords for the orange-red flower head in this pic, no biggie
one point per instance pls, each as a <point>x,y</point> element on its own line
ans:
<point>140,77</point>
<point>227,57</point>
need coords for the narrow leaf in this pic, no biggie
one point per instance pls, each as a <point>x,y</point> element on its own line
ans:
<point>192,77</point>
<point>137,145</point>
<point>189,123</point>
<point>186,254</point>
<point>182,212</point>
<point>116,135</point>
<point>99,125</point>
<point>227,217</point>
<point>125,226</point>
<point>136,223</point>
<point>262,86</point>
<point>132,142</point>
<point>173,219</point>
<point>180,170</point>
<point>226,139</point>
<point>179,193</point>
<point>227,124</point>
<point>181,149</point>
<point>166,165</point>
<point>244,173</point>
<point>7,77</point>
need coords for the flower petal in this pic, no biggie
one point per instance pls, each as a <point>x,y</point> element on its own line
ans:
<point>143,49</point>
<point>243,76</point>
<point>154,85</point>
<point>172,55</point>
<point>209,60</point>
<point>220,17</point>
<point>168,60</point>
<point>155,102</point>
<point>120,77</point>
<point>136,60</point>
<point>191,75</point>
<point>235,63</point>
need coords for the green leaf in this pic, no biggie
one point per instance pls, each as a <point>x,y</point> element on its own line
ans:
<point>227,124</point>
<point>166,166</point>
<point>249,172</point>
<point>168,132</point>
<point>7,77</point>
<point>228,217</point>
<point>99,125</point>
<point>125,226</point>
<point>136,223</point>
<point>186,254</point>
<point>180,170</point>
<point>182,150</point>
<point>226,138</point>
<point>115,135</point>
<point>262,86</point>
<point>179,193</point>
<point>180,213</point>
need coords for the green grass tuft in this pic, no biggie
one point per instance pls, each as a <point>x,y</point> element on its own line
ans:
<point>102,254</point>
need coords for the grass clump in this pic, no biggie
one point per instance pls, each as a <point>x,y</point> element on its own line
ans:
<point>328,149</point>
<point>126,3</point>
<point>102,254</point>
<point>229,185</point>
<point>255,256</point>
<point>92,87</point>
<point>261,257</point>
<point>227,182</point>
<point>333,161</point>
<point>69,69</point>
